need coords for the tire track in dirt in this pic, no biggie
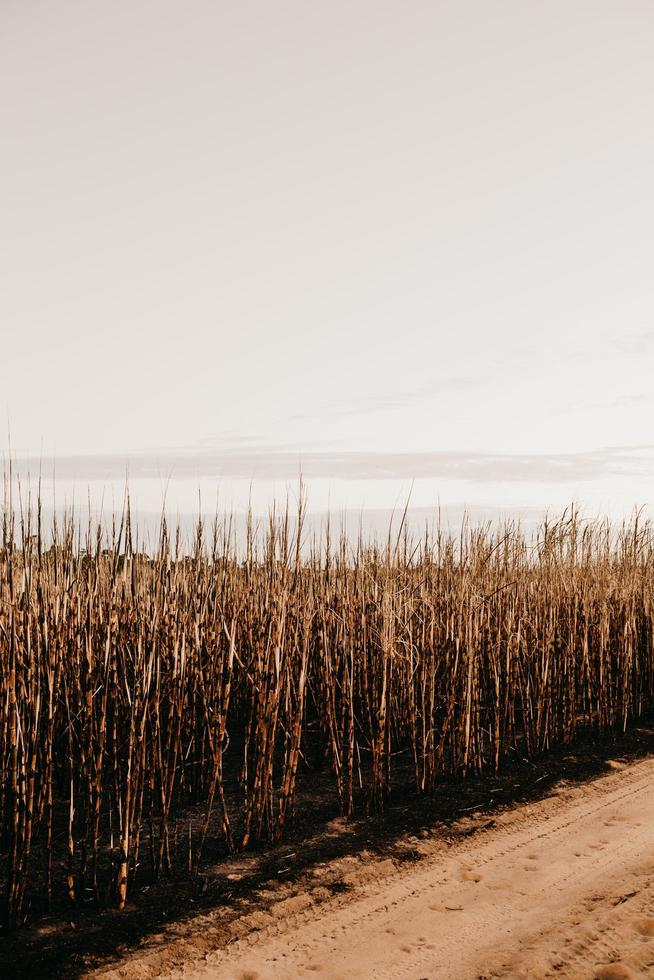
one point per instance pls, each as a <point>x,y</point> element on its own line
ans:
<point>563,887</point>
<point>497,891</point>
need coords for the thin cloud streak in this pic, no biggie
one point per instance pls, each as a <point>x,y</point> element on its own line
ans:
<point>384,402</point>
<point>267,464</point>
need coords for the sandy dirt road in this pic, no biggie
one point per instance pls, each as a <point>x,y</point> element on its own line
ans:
<point>560,888</point>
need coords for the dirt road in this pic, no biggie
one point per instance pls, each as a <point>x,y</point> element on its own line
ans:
<point>561,888</point>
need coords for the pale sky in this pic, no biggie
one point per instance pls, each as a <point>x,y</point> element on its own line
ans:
<point>384,242</point>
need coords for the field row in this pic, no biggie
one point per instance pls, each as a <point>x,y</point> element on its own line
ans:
<point>136,688</point>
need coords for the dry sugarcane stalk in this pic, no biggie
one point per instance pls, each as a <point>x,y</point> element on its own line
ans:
<point>127,679</point>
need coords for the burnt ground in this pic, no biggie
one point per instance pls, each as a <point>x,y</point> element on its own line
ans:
<point>71,941</point>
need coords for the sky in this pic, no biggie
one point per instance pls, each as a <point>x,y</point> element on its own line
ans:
<point>400,247</point>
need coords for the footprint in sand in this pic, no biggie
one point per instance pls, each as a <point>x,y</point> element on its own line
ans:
<point>500,886</point>
<point>249,975</point>
<point>646,927</point>
<point>468,875</point>
<point>612,971</point>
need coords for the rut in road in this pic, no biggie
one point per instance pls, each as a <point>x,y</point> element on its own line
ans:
<point>561,888</point>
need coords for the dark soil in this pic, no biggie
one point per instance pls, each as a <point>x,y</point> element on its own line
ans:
<point>71,941</point>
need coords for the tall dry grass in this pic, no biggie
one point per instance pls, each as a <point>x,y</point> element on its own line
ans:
<point>135,687</point>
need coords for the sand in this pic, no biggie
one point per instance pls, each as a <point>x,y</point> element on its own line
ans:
<point>560,888</point>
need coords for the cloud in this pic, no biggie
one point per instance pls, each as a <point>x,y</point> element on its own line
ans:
<point>625,401</point>
<point>384,402</point>
<point>635,342</point>
<point>282,464</point>
<point>356,406</point>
